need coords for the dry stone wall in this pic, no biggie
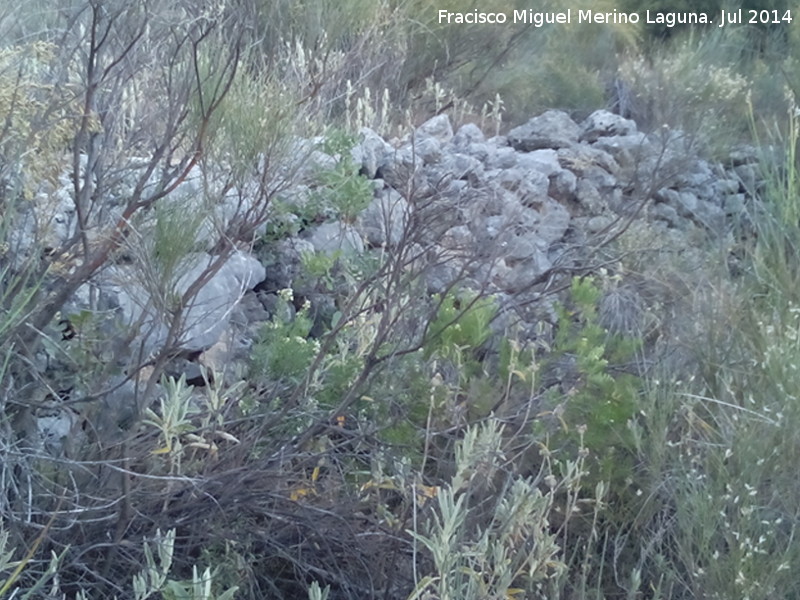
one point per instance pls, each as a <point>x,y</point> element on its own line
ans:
<point>501,214</point>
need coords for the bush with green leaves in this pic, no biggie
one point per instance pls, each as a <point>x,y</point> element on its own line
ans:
<point>284,350</point>
<point>338,192</point>
<point>154,578</point>
<point>709,88</point>
<point>593,393</point>
<point>737,524</point>
<point>460,327</point>
<point>11,571</point>
<point>495,534</point>
<point>342,188</point>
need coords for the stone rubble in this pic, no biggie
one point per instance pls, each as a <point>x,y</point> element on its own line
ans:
<point>499,213</point>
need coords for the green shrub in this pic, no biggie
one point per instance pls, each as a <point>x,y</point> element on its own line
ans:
<point>284,351</point>
<point>155,577</point>
<point>461,324</point>
<point>709,88</point>
<point>504,549</point>
<point>342,188</point>
<point>599,403</point>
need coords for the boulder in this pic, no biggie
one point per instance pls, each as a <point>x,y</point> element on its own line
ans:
<point>552,129</point>
<point>368,153</point>
<point>148,307</point>
<point>602,123</point>
<point>384,221</point>
<point>336,237</point>
<point>438,128</point>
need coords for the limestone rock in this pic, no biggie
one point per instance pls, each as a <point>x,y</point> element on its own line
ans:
<point>552,129</point>
<point>438,128</point>
<point>148,307</point>
<point>384,221</point>
<point>602,123</point>
<point>336,237</point>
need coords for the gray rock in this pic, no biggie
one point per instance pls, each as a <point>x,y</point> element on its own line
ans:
<point>277,308</point>
<point>743,155</point>
<point>440,276</point>
<point>553,221</point>
<point>581,159</point>
<point>526,272</point>
<point>336,237</point>
<point>724,187</point>
<point>384,221</point>
<point>148,306</point>
<point>454,188</point>
<point>749,176</point>
<point>368,153</point>
<point>690,207</point>
<point>494,212</point>
<point>479,150</point>
<point>309,165</point>
<point>502,158</point>
<point>428,150</point>
<point>521,245</point>
<point>710,216</point>
<point>494,227</point>
<point>53,430</point>
<point>438,127</point>
<point>599,223</point>
<point>684,202</point>
<point>458,238</point>
<point>117,409</point>
<point>519,216</point>
<point>249,310</point>
<point>544,161</point>
<point>48,221</point>
<point>700,177</point>
<point>467,135</point>
<point>499,274</point>
<point>602,123</point>
<point>589,197</point>
<point>601,179</point>
<point>529,186</point>
<point>667,213</point>
<point>552,129</point>
<point>734,204</point>
<point>627,150</point>
<point>667,195</point>
<point>459,166</point>
<point>687,204</point>
<point>563,186</point>
<point>401,170</point>
<point>283,261</point>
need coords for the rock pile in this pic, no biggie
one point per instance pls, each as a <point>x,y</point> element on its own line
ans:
<point>501,214</point>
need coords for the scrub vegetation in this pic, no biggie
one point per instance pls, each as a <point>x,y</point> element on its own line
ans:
<point>400,444</point>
